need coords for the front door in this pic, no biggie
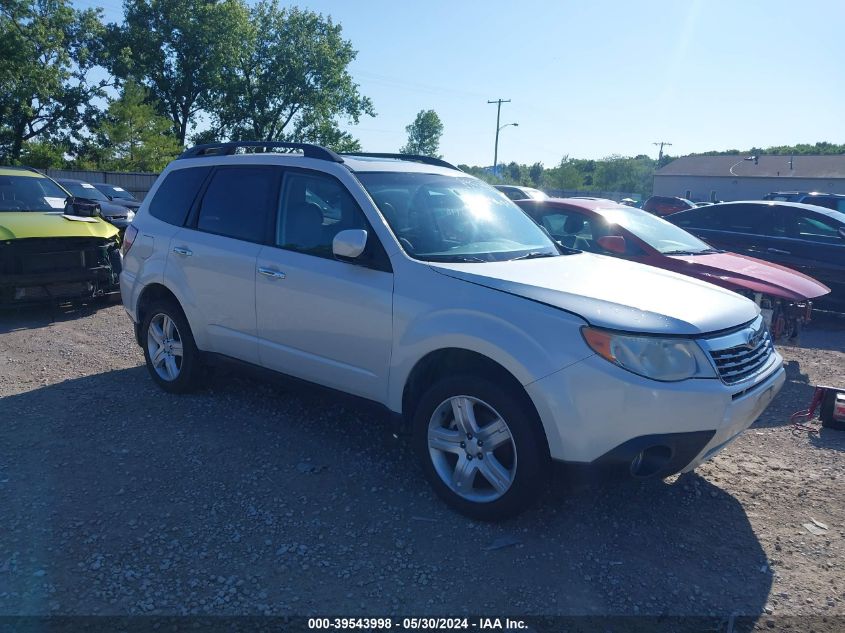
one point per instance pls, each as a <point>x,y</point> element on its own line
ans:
<point>320,319</point>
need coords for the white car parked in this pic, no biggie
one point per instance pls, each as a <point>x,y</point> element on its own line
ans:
<point>406,282</point>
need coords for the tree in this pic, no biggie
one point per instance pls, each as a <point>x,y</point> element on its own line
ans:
<point>47,51</point>
<point>535,173</point>
<point>134,136</point>
<point>424,135</point>
<point>177,49</point>
<point>289,80</point>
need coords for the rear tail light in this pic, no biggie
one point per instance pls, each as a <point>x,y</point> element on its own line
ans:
<point>128,238</point>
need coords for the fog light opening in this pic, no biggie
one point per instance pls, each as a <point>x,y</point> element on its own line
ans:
<point>650,461</point>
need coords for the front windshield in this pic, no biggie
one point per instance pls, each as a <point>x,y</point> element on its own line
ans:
<point>30,193</point>
<point>455,219</point>
<point>84,190</point>
<point>661,235</point>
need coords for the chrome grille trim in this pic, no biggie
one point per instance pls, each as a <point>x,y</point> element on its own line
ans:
<point>740,355</point>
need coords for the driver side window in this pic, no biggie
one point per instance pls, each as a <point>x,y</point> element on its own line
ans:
<point>313,209</point>
<point>573,230</point>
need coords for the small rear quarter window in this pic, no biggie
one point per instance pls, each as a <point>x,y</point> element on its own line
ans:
<point>174,197</point>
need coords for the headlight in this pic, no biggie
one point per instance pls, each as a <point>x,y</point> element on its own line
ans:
<point>665,359</point>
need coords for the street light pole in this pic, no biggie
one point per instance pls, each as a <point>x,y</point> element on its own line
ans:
<point>498,103</point>
<point>496,154</point>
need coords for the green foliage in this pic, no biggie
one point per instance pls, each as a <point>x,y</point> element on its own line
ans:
<point>424,135</point>
<point>134,136</point>
<point>176,49</point>
<point>47,49</point>
<point>535,173</point>
<point>618,173</point>
<point>816,149</point>
<point>43,154</point>
<point>288,80</point>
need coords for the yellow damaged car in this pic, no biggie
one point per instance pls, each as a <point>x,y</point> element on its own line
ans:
<point>53,247</point>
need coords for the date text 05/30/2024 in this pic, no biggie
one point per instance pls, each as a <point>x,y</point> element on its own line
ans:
<point>500,624</point>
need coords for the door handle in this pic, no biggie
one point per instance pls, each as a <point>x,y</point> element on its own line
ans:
<point>269,272</point>
<point>778,251</point>
<point>181,250</point>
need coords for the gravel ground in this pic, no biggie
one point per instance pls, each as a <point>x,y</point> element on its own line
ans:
<point>116,498</point>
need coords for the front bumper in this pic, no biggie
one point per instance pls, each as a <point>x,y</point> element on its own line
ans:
<point>595,413</point>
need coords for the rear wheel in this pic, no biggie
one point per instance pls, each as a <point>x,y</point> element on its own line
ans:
<point>169,349</point>
<point>481,446</point>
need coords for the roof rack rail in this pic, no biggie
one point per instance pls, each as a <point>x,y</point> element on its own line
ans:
<point>428,160</point>
<point>309,150</point>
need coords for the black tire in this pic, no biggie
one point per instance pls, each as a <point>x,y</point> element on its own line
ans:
<point>531,465</point>
<point>191,362</point>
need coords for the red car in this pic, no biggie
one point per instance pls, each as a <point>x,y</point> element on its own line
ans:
<point>598,226</point>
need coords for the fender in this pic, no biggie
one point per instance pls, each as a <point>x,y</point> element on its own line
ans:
<point>482,321</point>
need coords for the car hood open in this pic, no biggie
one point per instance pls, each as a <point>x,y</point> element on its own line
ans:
<point>731,270</point>
<point>16,225</point>
<point>612,293</point>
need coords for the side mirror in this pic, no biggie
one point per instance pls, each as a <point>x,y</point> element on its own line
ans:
<point>82,207</point>
<point>613,243</point>
<point>349,244</point>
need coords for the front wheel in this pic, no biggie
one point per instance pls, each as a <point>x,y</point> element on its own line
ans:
<point>481,446</point>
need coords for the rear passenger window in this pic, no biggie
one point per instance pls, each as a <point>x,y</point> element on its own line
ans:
<point>175,196</point>
<point>239,202</point>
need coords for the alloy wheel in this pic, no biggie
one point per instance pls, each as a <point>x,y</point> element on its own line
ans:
<point>472,449</point>
<point>164,346</point>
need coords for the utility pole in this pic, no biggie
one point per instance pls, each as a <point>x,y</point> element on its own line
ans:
<point>498,103</point>
<point>661,144</point>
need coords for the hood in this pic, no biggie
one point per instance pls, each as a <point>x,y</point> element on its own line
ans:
<point>613,293</point>
<point>734,271</point>
<point>21,225</point>
<point>129,204</point>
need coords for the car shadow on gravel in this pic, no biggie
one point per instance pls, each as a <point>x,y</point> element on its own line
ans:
<point>248,499</point>
<point>33,317</point>
<point>825,332</point>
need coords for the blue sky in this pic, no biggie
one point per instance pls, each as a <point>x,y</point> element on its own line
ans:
<point>590,79</point>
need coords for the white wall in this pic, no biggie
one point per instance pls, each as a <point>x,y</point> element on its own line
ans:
<point>729,188</point>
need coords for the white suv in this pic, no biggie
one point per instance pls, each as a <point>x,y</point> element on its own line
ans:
<point>406,282</point>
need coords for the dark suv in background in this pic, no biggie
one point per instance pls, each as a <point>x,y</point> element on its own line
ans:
<point>804,237</point>
<point>835,201</point>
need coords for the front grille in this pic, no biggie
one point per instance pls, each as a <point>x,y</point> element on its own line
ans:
<point>738,362</point>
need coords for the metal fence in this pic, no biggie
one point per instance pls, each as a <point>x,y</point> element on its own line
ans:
<point>137,183</point>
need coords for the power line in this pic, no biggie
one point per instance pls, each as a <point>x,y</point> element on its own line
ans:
<point>661,144</point>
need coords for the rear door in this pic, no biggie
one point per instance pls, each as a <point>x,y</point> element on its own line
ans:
<point>321,319</point>
<point>213,257</point>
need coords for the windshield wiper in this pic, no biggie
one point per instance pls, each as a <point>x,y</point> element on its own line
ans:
<point>457,259</point>
<point>534,255</point>
<point>706,251</point>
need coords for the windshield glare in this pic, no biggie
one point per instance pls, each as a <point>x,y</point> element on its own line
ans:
<point>84,190</point>
<point>28,193</point>
<point>458,219</point>
<point>661,235</point>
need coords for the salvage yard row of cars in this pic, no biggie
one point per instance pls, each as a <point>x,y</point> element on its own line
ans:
<point>498,337</point>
